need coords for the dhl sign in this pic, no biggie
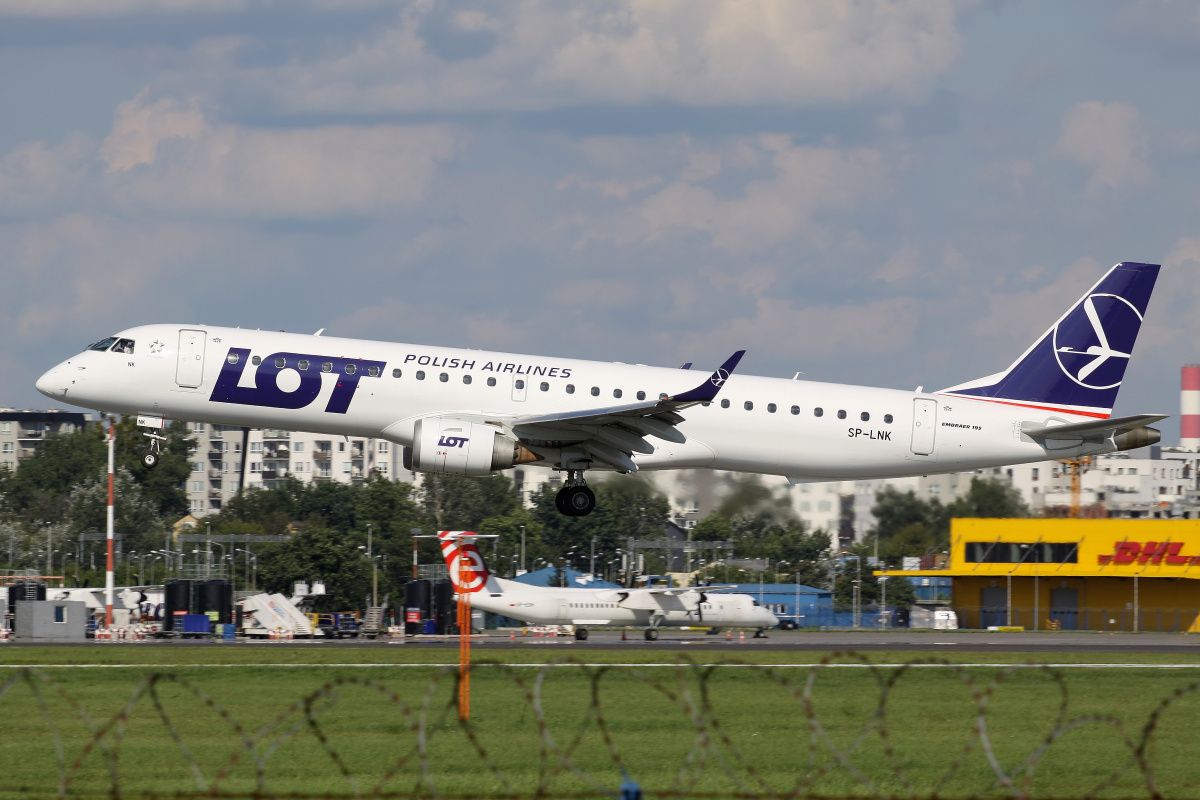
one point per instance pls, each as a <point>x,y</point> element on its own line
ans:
<point>1148,553</point>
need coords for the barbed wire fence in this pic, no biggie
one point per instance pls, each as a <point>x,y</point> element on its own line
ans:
<point>243,770</point>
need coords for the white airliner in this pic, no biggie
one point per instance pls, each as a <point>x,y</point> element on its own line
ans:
<point>472,412</point>
<point>651,607</point>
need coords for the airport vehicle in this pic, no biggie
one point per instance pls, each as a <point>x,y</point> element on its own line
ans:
<point>650,607</point>
<point>472,412</point>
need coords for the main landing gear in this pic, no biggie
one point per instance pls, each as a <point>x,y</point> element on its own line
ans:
<point>150,457</point>
<point>581,634</point>
<point>651,634</point>
<point>575,499</point>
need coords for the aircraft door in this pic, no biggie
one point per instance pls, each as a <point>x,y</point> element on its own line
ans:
<point>520,387</point>
<point>189,370</point>
<point>924,425</point>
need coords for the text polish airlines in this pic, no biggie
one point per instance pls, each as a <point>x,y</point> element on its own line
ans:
<point>472,412</point>
<point>651,607</point>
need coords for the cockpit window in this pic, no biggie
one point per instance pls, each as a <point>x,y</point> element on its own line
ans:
<point>103,344</point>
<point>123,346</point>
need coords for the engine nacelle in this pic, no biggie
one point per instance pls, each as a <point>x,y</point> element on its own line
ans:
<point>454,447</point>
<point>1138,437</point>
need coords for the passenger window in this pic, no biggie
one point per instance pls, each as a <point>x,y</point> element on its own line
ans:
<point>256,360</point>
<point>420,374</point>
<point>545,387</point>
<point>519,384</point>
<point>724,404</point>
<point>232,358</point>
<point>749,405</point>
<point>865,417</point>
<point>373,372</point>
<point>595,391</point>
<point>302,364</point>
<point>350,369</point>
<point>796,410</point>
<point>443,377</point>
<point>280,363</point>
<point>466,378</point>
<point>396,373</point>
<point>841,413</point>
<point>570,388</point>
<point>887,418</point>
<point>770,408</point>
<point>641,395</point>
<point>326,366</point>
<point>616,392</point>
<point>491,381</point>
<point>818,412</point>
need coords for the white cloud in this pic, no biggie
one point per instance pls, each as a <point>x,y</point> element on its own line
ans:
<point>803,181</point>
<point>1107,139</point>
<point>165,159</point>
<point>538,54</point>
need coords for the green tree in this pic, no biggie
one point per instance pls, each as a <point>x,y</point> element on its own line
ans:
<point>989,499</point>
<point>319,554</point>
<point>135,515</point>
<point>452,502</point>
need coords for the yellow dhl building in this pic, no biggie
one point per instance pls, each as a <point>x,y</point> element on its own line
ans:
<point>1068,574</point>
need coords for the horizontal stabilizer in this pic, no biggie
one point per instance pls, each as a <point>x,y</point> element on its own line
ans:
<point>1099,429</point>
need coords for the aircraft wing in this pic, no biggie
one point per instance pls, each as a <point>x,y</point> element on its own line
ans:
<point>612,434</point>
<point>1097,429</point>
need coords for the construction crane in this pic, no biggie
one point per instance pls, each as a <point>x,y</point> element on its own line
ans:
<point>1076,467</point>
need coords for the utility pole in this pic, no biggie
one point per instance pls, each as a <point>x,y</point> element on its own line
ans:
<point>592,564</point>
<point>522,549</point>
<point>108,574</point>
<point>374,569</point>
<point>416,534</point>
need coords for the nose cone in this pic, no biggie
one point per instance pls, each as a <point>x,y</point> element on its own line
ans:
<point>53,384</point>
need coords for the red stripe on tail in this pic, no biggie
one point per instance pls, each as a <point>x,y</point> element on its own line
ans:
<point>468,573</point>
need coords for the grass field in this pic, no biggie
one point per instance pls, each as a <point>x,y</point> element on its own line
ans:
<point>175,721</point>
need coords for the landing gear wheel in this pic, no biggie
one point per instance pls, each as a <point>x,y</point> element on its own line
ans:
<point>559,504</point>
<point>581,634</point>
<point>651,635</point>
<point>576,501</point>
<point>150,460</point>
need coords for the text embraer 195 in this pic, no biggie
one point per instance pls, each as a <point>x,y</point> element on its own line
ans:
<point>649,607</point>
<point>471,412</point>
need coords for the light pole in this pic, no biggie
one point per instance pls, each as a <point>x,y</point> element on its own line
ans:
<point>522,549</point>
<point>49,560</point>
<point>129,558</point>
<point>209,554</point>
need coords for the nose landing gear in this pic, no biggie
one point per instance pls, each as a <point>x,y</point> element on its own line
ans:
<point>575,499</point>
<point>150,457</point>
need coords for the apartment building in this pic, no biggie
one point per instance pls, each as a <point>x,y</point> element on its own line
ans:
<point>21,431</point>
<point>271,456</point>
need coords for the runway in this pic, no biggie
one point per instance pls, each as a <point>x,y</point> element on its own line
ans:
<point>1181,645</point>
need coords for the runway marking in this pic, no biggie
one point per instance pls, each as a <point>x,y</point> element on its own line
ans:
<point>574,664</point>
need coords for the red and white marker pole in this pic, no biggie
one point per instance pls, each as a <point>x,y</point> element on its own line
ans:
<point>1189,408</point>
<point>108,575</point>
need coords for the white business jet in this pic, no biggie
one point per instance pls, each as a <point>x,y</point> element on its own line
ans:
<point>472,412</point>
<point>650,607</point>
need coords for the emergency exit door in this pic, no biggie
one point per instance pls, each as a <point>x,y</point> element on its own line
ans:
<point>189,370</point>
<point>924,425</point>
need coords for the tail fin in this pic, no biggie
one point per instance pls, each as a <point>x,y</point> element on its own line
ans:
<point>1077,366</point>
<point>468,573</point>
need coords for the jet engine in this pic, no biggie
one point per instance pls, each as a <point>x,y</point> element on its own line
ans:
<point>454,447</point>
<point>1138,437</point>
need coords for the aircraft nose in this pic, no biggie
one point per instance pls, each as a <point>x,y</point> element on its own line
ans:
<point>53,384</point>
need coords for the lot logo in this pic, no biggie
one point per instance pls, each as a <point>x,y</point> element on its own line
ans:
<point>306,367</point>
<point>453,441</point>
<point>1148,553</point>
<point>1093,342</point>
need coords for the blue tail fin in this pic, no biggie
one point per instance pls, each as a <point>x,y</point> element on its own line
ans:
<point>1077,366</point>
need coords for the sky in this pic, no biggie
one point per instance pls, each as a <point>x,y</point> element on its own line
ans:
<point>879,193</point>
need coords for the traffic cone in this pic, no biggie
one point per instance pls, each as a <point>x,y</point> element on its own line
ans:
<point>622,634</point>
<point>729,636</point>
<point>512,634</point>
<point>742,637</point>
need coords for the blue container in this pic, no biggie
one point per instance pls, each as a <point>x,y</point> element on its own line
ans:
<point>429,626</point>
<point>229,632</point>
<point>195,623</point>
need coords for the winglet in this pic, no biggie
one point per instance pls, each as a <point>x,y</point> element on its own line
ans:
<point>706,391</point>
